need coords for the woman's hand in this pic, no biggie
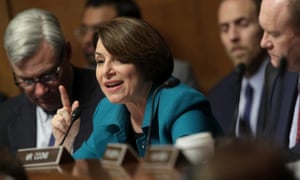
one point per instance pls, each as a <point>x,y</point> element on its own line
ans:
<point>62,120</point>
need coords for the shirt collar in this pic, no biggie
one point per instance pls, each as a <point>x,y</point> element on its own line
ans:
<point>257,79</point>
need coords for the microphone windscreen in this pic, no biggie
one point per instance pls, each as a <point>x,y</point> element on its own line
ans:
<point>171,82</point>
<point>76,113</point>
<point>240,71</point>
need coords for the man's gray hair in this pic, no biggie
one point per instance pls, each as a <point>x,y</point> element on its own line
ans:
<point>27,30</point>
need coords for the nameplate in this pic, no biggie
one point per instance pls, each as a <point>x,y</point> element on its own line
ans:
<point>119,154</point>
<point>164,156</point>
<point>50,156</point>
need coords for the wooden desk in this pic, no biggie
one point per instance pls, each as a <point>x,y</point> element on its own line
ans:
<point>92,169</point>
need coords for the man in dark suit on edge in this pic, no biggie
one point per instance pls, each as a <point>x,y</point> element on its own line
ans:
<point>40,60</point>
<point>282,40</point>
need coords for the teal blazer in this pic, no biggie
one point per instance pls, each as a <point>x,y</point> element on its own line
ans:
<point>180,111</point>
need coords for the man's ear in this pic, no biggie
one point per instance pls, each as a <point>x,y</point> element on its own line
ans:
<point>68,50</point>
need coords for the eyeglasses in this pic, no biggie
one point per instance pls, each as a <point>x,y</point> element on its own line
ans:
<point>48,79</point>
<point>84,29</point>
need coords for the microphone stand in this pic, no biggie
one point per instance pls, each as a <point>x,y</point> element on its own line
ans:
<point>240,71</point>
<point>51,155</point>
<point>75,115</point>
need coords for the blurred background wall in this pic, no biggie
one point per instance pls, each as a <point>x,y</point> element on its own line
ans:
<point>190,27</point>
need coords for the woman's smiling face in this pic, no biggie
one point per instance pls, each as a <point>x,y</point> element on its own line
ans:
<point>120,82</point>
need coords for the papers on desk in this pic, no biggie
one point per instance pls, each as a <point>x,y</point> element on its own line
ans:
<point>196,147</point>
<point>295,167</point>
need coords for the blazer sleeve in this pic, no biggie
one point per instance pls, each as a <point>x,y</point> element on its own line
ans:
<point>186,112</point>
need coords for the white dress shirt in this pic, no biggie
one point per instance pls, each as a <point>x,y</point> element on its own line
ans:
<point>294,127</point>
<point>44,127</point>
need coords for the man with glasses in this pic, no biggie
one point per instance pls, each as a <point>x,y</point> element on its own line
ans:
<point>28,84</point>
<point>40,60</point>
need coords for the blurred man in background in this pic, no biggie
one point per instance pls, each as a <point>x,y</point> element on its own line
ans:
<point>236,99</point>
<point>95,13</point>
<point>40,60</point>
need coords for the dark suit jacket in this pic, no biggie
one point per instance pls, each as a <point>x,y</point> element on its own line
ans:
<point>2,97</point>
<point>18,114</point>
<point>271,74</point>
<point>283,102</point>
<point>223,98</point>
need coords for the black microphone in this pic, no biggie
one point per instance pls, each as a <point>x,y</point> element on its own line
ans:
<point>171,82</point>
<point>240,71</point>
<point>74,116</point>
<point>282,66</point>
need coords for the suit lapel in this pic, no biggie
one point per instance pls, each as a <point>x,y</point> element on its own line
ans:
<point>23,126</point>
<point>282,121</point>
<point>287,110</point>
<point>271,74</point>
